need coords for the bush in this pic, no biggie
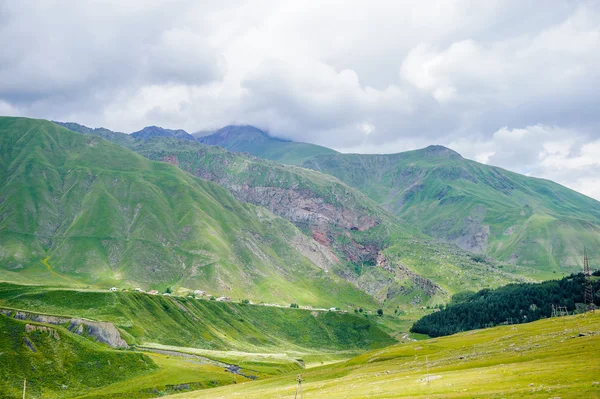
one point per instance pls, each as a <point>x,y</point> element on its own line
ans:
<point>380,312</point>
<point>294,305</point>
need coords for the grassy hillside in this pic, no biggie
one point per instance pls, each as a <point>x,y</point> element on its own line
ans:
<point>59,364</point>
<point>514,218</point>
<point>187,322</point>
<point>546,359</point>
<point>256,142</point>
<point>377,252</point>
<point>78,209</point>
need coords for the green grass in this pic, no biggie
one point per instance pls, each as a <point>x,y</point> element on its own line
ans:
<point>61,364</point>
<point>173,374</point>
<point>545,359</point>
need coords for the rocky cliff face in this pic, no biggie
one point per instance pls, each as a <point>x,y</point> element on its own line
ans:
<point>103,332</point>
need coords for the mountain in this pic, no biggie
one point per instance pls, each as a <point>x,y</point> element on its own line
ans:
<point>257,142</point>
<point>370,248</point>
<point>77,209</point>
<point>155,131</point>
<point>484,209</point>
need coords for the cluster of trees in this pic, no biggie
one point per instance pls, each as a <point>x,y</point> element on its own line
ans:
<point>513,303</point>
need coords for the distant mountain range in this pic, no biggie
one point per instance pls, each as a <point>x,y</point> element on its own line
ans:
<point>361,223</point>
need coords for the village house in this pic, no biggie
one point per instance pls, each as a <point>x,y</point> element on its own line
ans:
<point>152,292</point>
<point>224,299</point>
<point>199,292</point>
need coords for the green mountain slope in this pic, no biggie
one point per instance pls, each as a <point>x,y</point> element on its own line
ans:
<point>377,252</point>
<point>256,142</point>
<point>79,209</point>
<point>187,322</point>
<point>57,363</point>
<point>514,218</point>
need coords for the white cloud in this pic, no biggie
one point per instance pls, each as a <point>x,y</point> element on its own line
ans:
<point>568,157</point>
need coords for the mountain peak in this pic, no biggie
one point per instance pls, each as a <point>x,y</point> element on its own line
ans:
<point>440,151</point>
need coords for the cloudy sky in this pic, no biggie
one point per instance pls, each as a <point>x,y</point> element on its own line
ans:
<point>509,83</point>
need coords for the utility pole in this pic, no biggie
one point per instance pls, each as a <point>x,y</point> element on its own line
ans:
<point>588,292</point>
<point>299,387</point>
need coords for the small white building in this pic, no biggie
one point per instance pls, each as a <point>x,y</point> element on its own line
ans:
<point>224,299</point>
<point>199,293</point>
<point>114,289</point>
<point>139,290</point>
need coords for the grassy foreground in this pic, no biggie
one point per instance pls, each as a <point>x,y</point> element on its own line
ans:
<point>545,359</point>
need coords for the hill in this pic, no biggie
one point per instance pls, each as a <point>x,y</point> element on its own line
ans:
<point>78,210</point>
<point>512,304</point>
<point>371,248</point>
<point>528,360</point>
<point>485,209</point>
<point>59,364</point>
<point>257,142</point>
<point>186,322</point>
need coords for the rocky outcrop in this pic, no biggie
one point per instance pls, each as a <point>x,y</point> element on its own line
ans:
<point>50,331</point>
<point>103,332</point>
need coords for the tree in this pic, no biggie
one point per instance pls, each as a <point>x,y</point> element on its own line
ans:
<point>380,312</point>
<point>294,305</point>
<point>169,290</point>
<point>245,301</point>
